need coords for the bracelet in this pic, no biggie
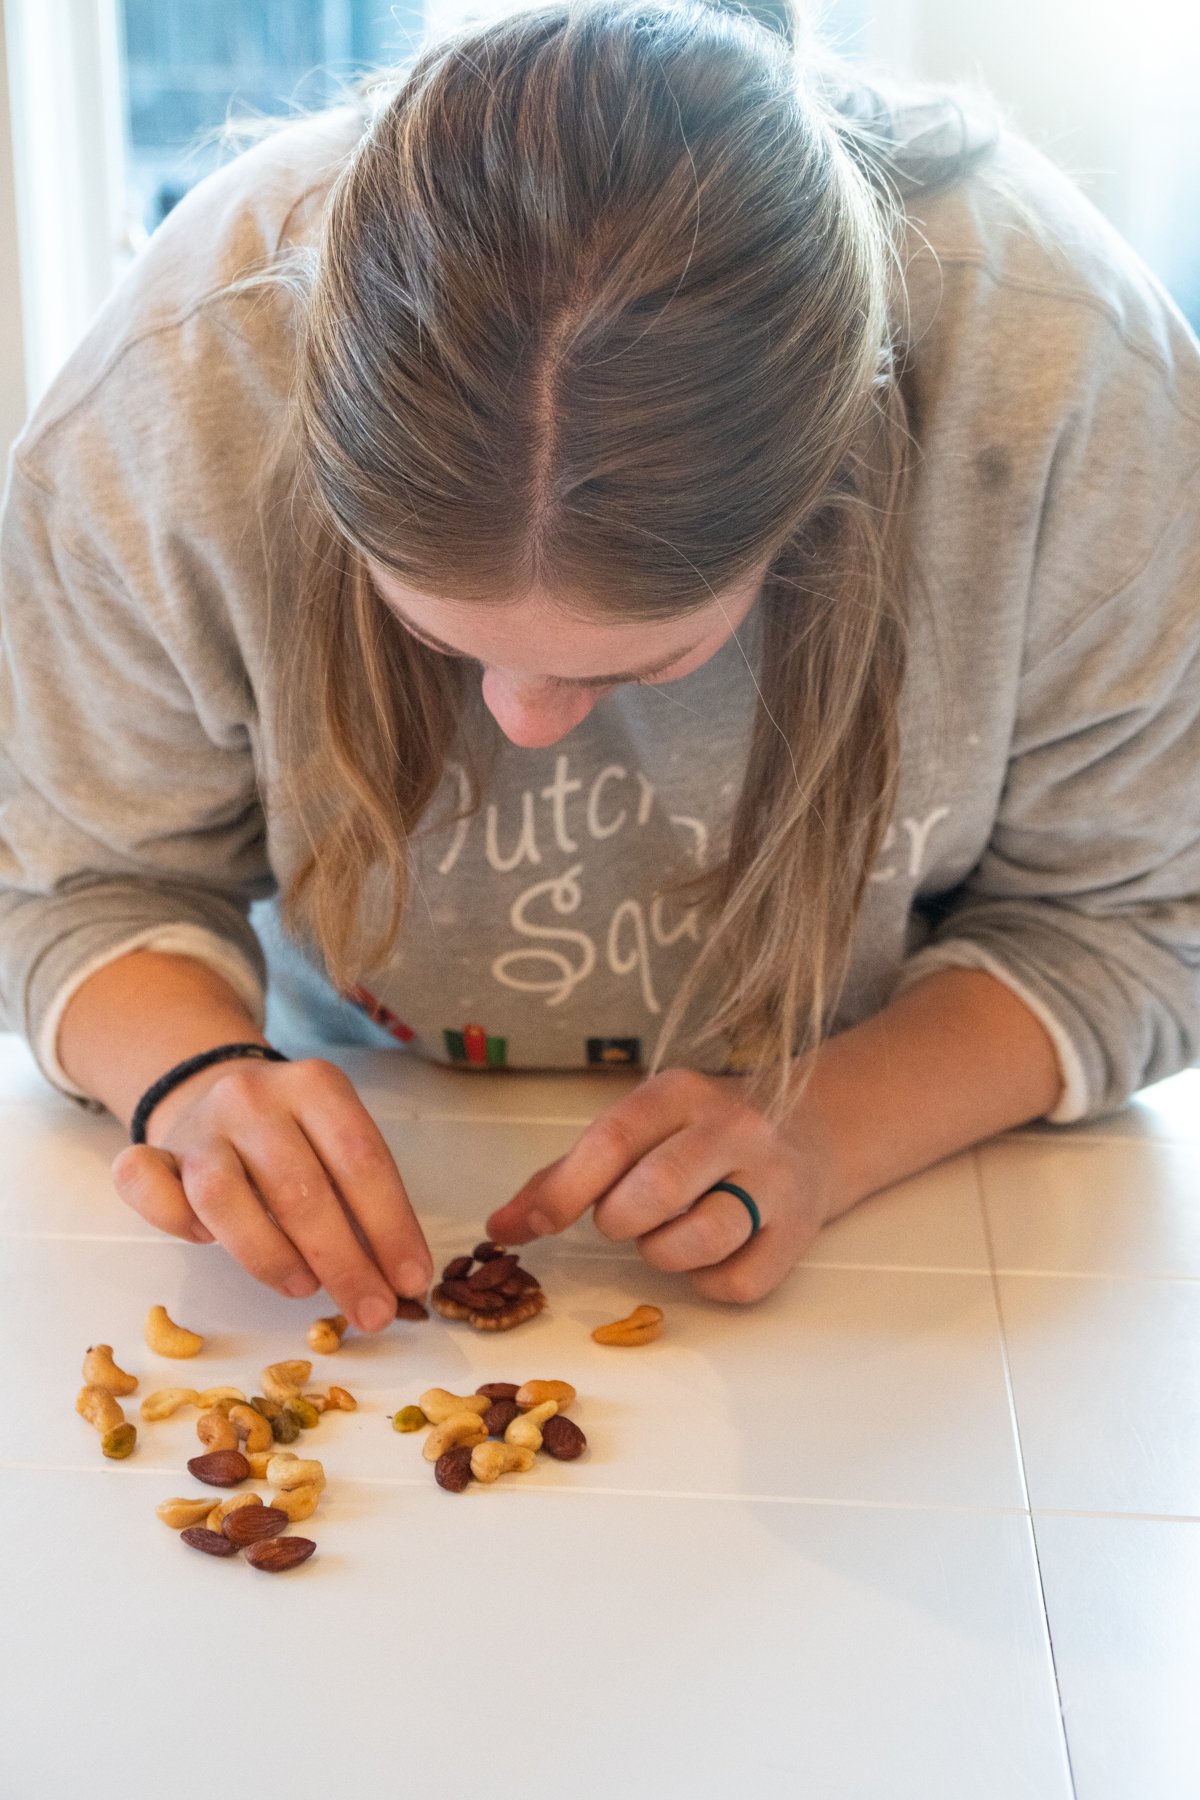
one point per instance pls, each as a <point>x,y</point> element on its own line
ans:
<point>163,1086</point>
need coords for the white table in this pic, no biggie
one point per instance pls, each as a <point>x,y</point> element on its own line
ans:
<point>924,1524</point>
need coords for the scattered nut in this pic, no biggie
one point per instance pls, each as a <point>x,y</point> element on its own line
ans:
<point>286,1472</point>
<point>438,1404</point>
<point>526,1429</point>
<point>213,1543</point>
<point>167,1401</point>
<point>235,1503</point>
<point>258,1460</point>
<point>409,1418</point>
<point>97,1406</point>
<point>297,1503</point>
<point>318,1401</point>
<point>285,1427</point>
<point>462,1428</point>
<point>499,1390</point>
<point>166,1338</point>
<point>325,1335</point>
<point>99,1370</point>
<point>499,1416</point>
<point>562,1439</point>
<point>532,1393</point>
<point>251,1428</point>
<point>410,1309</point>
<point>283,1378</point>
<point>215,1431</point>
<point>275,1555</point>
<point>220,1468</point>
<point>302,1410</point>
<point>220,1397</point>
<point>254,1522</point>
<point>181,1512</point>
<point>491,1460</point>
<point>452,1469</point>
<point>118,1443</point>
<point>270,1409</point>
<point>341,1401</point>
<point>642,1326</point>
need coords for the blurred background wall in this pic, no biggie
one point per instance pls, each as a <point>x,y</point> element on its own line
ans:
<point>108,110</point>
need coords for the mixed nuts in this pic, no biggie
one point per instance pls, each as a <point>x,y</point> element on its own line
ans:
<point>497,1430</point>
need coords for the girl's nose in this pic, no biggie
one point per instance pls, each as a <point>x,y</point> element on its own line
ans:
<point>534,714</point>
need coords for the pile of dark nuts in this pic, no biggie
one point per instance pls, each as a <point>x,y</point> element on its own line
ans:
<point>488,1289</point>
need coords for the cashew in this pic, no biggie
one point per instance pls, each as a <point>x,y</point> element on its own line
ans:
<point>167,1401</point>
<point>258,1460</point>
<point>317,1400</point>
<point>491,1460</point>
<point>283,1378</point>
<point>642,1326</point>
<point>532,1393</point>
<point>295,1471</point>
<point>298,1503</point>
<point>526,1430</point>
<point>341,1401</point>
<point>253,1431</point>
<point>99,1370</point>
<point>460,1428</point>
<point>166,1338</point>
<point>325,1335</point>
<point>219,1396</point>
<point>97,1406</point>
<point>180,1513</point>
<point>215,1432</point>
<point>438,1404</point>
<point>219,1511</point>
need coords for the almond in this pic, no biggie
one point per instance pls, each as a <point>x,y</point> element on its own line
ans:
<point>220,1468</point>
<point>275,1555</point>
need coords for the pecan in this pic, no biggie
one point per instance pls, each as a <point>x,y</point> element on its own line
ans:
<point>561,1438</point>
<point>250,1523</point>
<point>410,1309</point>
<point>515,1312</point>
<point>211,1542</point>
<point>452,1470</point>
<point>456,1268</point>
<point>490,1274</point>
<point>220,1468</point>
<point>277,1554</point>
<point>499,1416</point>
<point>498,1390</point>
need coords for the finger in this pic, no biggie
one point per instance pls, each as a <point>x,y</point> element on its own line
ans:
<point>355,1153</point>
<point>709,1232</point>
<point>148,1181</point>
<point>665,1183</point>
<point>221,1196</point>
<point>284,1167</point>
<point>752,1272</point>
<point>607,1150</point>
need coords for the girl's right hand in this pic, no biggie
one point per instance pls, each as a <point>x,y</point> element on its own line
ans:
<point>283,1165</point>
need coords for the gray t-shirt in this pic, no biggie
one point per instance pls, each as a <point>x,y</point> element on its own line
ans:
<point>1047,825</point>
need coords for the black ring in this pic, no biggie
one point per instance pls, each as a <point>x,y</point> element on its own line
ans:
<point>739,1193</point>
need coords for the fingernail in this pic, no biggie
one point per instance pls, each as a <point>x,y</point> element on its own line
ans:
<point>539,1223</point>
<point>298,1287</point>
<point>412,1280</point>
<point>375,1313</point>
<point>202,1235</point>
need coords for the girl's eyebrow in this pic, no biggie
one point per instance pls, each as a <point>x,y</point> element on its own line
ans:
<point>434,643</point>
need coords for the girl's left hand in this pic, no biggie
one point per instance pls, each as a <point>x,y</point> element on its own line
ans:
<point>645,1167</point>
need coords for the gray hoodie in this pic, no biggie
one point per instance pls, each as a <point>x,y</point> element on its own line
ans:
<point>1047,826</point>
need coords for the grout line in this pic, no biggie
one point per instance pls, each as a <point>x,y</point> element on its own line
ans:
<point>1020,1449</point>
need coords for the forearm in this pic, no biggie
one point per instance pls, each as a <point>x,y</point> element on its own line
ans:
<point>954,1059</point>
<point>140,1015</point>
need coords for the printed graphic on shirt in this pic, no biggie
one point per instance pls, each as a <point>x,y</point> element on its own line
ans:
<point>379,1014</point>
<point>473,1046</point>
<point>614,1052</point>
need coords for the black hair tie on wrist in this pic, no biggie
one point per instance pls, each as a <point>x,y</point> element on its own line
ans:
<point>163,1086</point>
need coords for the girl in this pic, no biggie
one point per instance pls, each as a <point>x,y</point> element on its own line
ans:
<point>657,553</point>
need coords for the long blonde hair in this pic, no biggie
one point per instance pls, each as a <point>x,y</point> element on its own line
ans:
<point>606,300</point>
